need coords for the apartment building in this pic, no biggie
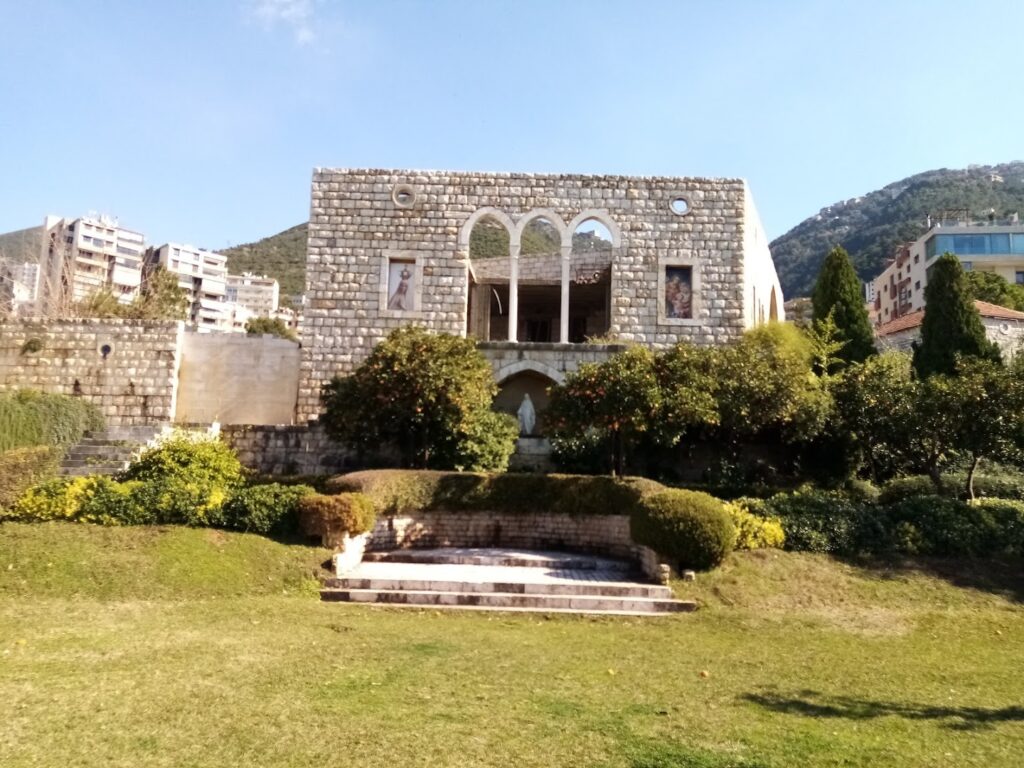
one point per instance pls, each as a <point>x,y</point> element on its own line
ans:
<point>82,256</point>
<point>257,293</point>
<point>203,274</point>
<point>988,246</point>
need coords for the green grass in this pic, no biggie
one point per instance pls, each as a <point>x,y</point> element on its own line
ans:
<point>140,647</point>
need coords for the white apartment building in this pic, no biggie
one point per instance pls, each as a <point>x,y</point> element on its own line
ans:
<point>985,247</point>
<point>203,274</point>
<point>257,293</point>
<point>82,256</point>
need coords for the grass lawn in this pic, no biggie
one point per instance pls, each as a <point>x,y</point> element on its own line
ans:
<point>174,647</point>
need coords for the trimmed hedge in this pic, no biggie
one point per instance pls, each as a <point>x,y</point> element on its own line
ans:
<point>397,492</point>
<point>690,528</point>
<point>29,418</point>
<point>1004,486</point>
<point>268,509</point>
<point>333,517</point>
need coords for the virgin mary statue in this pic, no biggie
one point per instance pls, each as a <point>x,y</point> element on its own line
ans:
<point>527,416</point>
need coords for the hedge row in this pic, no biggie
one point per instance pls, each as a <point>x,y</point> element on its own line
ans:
<point>29,418</point>
<point>689,528</point>
<point>819,521</point>
<point>21,468</point>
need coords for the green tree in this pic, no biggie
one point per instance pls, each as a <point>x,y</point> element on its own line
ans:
<point>876,405</point>
<point>427,394</point>
<point>952,327</point>
<point>766,387</point>
<point>275,326</point>
<point>978,412</point>
<point>618,399</point>
<point>990,287</point>
<point>838,292</point>
<point>159,298</point>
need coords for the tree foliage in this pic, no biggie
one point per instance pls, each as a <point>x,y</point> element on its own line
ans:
<point>766,385</point>
<point>429,395</point>
<point>634,395</point>
<point>159,298</point>
<point>952,327</point>
<point>837,294</point>
<point>275,326</point>
<point>990,287</point>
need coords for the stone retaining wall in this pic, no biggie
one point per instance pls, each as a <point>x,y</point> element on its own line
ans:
<point>595,534</point>
<point>127,368</point>
<point>288,450</point>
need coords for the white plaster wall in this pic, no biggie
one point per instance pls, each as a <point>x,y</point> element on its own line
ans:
<point>759,275</point>
<point>237,379</point>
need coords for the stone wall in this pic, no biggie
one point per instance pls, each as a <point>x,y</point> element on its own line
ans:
<point>236,378</point>
<point>288,450</point>
<point>1008,335</point>
<point>127,368</point>
<point>596,534</point>
<point>550,360</point>
<point>361,218</point>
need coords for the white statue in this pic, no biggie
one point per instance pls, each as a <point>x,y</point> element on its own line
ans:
<point>527,416</point>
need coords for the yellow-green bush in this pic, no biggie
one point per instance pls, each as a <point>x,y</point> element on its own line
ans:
<point>753,532</point>
<point>94,499</point>
<point>332,517</point>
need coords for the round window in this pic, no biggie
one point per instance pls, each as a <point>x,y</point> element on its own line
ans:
<point>404,196</point>
<point>680,205</point>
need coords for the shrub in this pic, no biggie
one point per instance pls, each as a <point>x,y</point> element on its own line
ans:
<point>30,418</point>
<point>1008,515</point>
<point>48,500</point>
<point>487,443</point>
<point>901,488</point>
<point>271,508</point>
<point>825,521</point>
<point>187,478</point>
<point>935,525</point>
<point>22,468</point>
<point>104,501</point>
<point>404,491</point>
<point>690,528</point>
<point>753,531</point>
<point>333,517</point>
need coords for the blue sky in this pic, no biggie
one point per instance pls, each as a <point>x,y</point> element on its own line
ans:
<point>201,121</point>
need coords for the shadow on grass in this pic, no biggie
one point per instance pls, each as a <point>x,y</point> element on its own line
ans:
<point>817,705</point>
<point>999,576</point>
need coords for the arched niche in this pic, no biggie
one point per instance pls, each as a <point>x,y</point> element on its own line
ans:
<point>526,381</point>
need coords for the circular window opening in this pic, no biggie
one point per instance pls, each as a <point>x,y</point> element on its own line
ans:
<point>105,350</point>
<point>404,196</point>
<point>680,206</point>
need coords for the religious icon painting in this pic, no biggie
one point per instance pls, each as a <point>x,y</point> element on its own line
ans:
<point>679,292</point>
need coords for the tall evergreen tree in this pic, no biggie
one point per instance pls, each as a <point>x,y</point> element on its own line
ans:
<point>838,291</point>
<point>952,326</point>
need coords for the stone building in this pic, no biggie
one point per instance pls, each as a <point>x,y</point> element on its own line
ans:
<point>545,270</point>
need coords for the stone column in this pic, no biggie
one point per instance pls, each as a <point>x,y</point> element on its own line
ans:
<point>513,293</point>
<point>563,316</point>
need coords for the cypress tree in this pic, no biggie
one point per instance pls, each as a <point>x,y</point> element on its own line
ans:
<point>952,326</point>
<point>838,291</point>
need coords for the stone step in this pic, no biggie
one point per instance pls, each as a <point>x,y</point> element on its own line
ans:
<point>579,588</point>
<point>508,559</point>
<point>590,604</point>
<point>100,449</point>
<point>95,469</point>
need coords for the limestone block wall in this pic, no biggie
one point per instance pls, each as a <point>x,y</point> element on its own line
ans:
<point>235,378</point>
<point>127,368</point>
<point>550,360</point>
<point>543,268</point>
<point>288,450</point>
<point>596,534</point>
<point>361,218</point>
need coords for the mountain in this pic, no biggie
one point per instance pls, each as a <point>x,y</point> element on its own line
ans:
<point>21,245</point>
<point>282,256</point>
<point>871,226</point>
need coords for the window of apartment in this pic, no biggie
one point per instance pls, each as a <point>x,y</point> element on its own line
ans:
<point>917,257</point>
<point>917,285</point>
<point>1019,278</point>
<point>967,265</point>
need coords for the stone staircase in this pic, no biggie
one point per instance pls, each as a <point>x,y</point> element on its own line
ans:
<point>108,451</point>
<point>502,580</point>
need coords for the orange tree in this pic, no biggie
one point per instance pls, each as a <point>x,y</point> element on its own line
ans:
<point>427,395</point>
